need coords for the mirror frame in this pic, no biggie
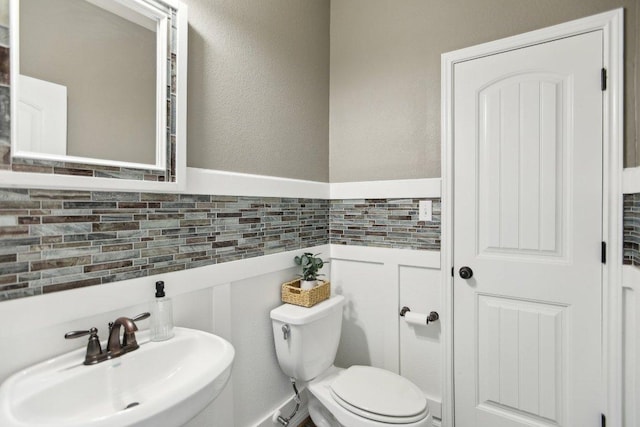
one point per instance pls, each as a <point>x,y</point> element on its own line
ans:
<point>70,172</point>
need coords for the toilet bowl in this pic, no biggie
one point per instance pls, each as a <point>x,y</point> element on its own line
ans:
<point>306,341</point>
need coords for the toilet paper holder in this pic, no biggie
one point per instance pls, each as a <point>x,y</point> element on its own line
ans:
<point>432,317</point>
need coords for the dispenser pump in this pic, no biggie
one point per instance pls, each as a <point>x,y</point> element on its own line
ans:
<point>161,315</point>
<point>160,289</point>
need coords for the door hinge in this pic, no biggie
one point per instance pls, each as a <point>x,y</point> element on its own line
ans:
<point>603,420</point>
<point>603,253</point>
<point>603,79</point>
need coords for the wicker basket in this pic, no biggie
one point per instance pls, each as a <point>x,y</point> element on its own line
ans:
<point>292,294</point>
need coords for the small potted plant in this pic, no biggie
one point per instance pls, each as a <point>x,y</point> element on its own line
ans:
<point>310,264</point>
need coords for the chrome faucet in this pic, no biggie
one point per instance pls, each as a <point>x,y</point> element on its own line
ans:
<point>115,347</point>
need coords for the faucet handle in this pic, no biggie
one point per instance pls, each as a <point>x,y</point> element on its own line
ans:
<point>77,334</point>
<point>94,349</point>
<point>141,316</point>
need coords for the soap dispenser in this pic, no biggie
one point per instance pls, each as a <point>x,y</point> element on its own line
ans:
<point>161,315</point>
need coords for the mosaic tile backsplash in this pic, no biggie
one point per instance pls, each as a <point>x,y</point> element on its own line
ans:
<point>56,240</point>
<point>386,223</point>
<point>631,233</point>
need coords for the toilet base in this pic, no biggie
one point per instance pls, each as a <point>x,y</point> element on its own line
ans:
<point>320,415</point>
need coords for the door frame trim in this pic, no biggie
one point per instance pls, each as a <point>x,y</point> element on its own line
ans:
<point>611,24</point>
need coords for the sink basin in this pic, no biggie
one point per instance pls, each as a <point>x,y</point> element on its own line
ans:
<point>160,384</point>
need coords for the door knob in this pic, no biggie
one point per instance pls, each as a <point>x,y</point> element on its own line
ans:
<point>466,273</point>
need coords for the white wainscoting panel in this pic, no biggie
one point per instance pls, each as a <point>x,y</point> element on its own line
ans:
<point>377,282</point>
<point>368,313</point>
<point>631,343</point>
<point>220,412</point>
<point>259,384</point>
<point>420,348</point>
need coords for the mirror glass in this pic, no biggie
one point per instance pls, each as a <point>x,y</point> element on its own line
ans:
<point>92,83</point>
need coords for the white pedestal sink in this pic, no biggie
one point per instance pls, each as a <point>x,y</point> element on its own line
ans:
<point>162,384</point>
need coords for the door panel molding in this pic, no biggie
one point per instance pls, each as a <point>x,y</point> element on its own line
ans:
<point>517,391</point>
<point>539,150</point>
<point>611,24</point>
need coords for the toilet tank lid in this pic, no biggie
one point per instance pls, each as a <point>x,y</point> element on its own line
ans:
<point>296,315</point>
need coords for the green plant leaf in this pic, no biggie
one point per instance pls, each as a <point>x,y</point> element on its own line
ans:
<point>310,264</point>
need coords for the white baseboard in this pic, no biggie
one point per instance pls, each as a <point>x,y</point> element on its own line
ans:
<point>285,409</point>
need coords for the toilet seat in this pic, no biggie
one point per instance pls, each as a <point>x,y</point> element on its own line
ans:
<point>320,389</point>
<point>379,417</point>
<point>379,395</point>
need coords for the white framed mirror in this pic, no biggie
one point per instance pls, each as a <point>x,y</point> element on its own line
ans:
<point>98,94</point>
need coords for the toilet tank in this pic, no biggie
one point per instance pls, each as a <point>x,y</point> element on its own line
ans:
<point>312,341</point>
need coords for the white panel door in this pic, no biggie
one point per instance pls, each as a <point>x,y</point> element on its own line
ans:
<point>528,223</point>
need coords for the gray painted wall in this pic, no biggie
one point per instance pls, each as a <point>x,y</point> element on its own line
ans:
<point>108,65</point>
<point>385,74</point>
<point>270,93</point>
<point>259,87</point>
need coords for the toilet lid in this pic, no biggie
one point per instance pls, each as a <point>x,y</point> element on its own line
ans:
<point>377,391</point>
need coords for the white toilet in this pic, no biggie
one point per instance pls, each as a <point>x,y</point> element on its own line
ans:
<point>306,342</point>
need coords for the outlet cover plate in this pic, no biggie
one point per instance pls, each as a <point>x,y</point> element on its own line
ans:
<point>425,210</point>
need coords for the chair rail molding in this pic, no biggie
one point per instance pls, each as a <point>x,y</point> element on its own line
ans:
<point>631,180</point>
